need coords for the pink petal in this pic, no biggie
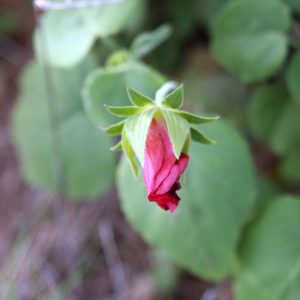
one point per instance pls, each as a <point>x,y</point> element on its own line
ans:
<point>159,157</point>
<point>176,170</point>
<point>161,169</point>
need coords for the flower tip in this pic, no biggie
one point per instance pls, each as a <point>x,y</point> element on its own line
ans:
<point>172,207</point>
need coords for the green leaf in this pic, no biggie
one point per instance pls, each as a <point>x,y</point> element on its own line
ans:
<point>147,41</point>
<point>136,129</point>
<point>266,109</point>
<point>293,77</point>
<point>217,198</point>
<point>110,18</point>
<point>110,86</point>
<point>250,39</point>
<point>270,261</point>
<point>115,129</point>
<point>81,156</point>
<point>290,167</point>
<point>286,135</point>
<point>195,119</point>
<point>295,5</point>
<point>122,111</point>
<point>199,137</point>
<point>175,99</point>
<point>137,98</point>
<point>63,38</point>
<point>207,10</point>
<point>117,147</point>
<point>178,129</point>
<point>129,154</point>
<point>217,92</point>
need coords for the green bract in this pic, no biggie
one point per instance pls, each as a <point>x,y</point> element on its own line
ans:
<point>135,128</point>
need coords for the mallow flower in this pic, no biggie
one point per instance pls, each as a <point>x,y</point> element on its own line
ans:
<point>157,134</point>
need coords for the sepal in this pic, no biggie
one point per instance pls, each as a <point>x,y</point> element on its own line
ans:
<point>138,99</point>
<point>175,99</point>
<point>117,147</point>
<point>129,154</point>
<point>123,111</point>
<point>178,129</point>
<point>195,119</point>
<point>136,129</point>
<point>115,129</point>
<point>199,137</point>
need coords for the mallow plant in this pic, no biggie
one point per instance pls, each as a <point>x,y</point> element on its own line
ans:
<point>158,134</point>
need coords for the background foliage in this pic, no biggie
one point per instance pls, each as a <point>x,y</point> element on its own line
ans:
<point>240,209</point>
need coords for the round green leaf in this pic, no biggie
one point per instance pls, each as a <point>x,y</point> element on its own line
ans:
<point>290,166</point>
<point>108,19</point>
<point>270,261</point>
<point>109,86</point>
<point>81,162</point>
<point>286,136</point>
<point>217,198</point>
<point>250,37</point>
<point>293,77</point>
<point>207,10</point>
<point>144,43</point>
<point>63,38</point>
<point>295,5</point>
<point>266,108</point>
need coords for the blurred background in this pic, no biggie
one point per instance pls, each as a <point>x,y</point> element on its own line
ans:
<point>62,231</point>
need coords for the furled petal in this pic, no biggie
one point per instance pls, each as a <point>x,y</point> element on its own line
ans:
<point>161,168</point>
<point>159,156</point>
<point>176,170</point>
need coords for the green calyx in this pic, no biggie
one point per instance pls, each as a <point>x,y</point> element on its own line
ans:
<point>138,117</point>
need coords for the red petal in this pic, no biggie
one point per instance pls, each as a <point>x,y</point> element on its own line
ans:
<point>161,168</point>
<point>176,170</point>
<point>168,201</point>
<point>159,157</point>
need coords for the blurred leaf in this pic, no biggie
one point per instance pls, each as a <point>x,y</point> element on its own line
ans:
<point>83,154</point>
<point>178,129</point>
<point>290,166</point>
<point>217,199</point>
<point>293,77</point>
<point>164,273</point>
<point>295,5</point>
<point>175,99</point>
<point>267,106</point>
<point>274,119</point>
<point>267,190</point>
<point>109,86</point>
<point>136,129</point>
<point>63,38</point>
<point>9,21</point>
<point>88,166</point>
<point>108,19</point>
<point>287,132</point>
<point>208,9</point>
<point>270,264</point>
<point>250,37</point>
<point>217,92</point>
<point>148,41</point>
